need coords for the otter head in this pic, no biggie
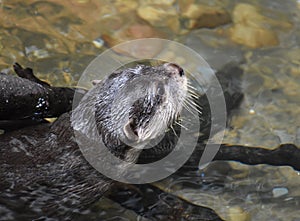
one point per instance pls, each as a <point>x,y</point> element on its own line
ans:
<point>136,105</point>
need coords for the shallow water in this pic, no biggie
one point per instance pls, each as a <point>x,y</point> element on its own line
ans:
<point>59,39</point>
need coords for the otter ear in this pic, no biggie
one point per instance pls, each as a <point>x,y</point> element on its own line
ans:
<point>130,133</point>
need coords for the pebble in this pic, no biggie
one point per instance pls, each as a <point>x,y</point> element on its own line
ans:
<point>36,52</point>
<point>98,42</point>
<point>279,191</point>
<point>252,111</point>
<point>236,213</point>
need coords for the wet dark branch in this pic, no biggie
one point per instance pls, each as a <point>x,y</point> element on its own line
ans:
<point>284,155</point>
<point>27,73</point>
<point>25,100</point>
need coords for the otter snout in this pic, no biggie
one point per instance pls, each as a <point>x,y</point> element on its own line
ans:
<point>174,68</point>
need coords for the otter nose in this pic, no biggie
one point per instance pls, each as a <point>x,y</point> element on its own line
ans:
<point>174,68</point>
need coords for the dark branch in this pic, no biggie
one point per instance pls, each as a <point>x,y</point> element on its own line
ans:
<point>284,155</point>
<point>27,73</point>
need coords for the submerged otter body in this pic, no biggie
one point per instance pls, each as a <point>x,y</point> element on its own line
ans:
<point>42,168</point>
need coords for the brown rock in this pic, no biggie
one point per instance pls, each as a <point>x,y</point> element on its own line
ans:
<point>174,25</point>
<point>253,37</point>
<point>157,15</point>
<point>252,29</point>
<point>110,40</point>
<point>140,31</point>
<point>251,16</point>
<point>158,2</point>
<point>203,16</point>
<point>125,6</point>
<point>135,31</point>
<point>185,4</point>
<point>238,214</point>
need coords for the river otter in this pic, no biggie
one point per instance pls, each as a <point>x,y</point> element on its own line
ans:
<point>42,168</point>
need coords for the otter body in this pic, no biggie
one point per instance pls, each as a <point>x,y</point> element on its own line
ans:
<point>42,168</point>
<point>43,171</point>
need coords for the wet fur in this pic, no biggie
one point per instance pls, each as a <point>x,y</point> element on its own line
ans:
<point>42,169</point>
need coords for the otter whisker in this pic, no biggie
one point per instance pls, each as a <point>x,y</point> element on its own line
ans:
<point>185,121</point>
<point>191,110</point>
<point>174,132</point>
<point>179,124</point>
<point>192,100</point>
<point>189,85</point>
<point>188,108</point>
<point>193,96</point>
<point>193,103</point>
<point>190,103</point>
<point>192,89</point>
<point>194,92</point>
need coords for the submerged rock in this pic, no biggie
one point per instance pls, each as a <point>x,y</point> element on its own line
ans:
<point>238,214</point>
<point>253,29</point>
<point>203,16</point>
<point>126,6</point>
<point>253,37</point>
<point>215,49</point>
<point>157,15</point>
<point>134,31</point>
<point>161,2</point>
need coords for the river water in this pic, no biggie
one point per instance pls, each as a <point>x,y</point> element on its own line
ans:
<point>58,39</point>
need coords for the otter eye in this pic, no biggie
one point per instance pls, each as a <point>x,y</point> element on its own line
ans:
<point>178,69</point>
<point>175,68</point>
<point>181,72</point>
